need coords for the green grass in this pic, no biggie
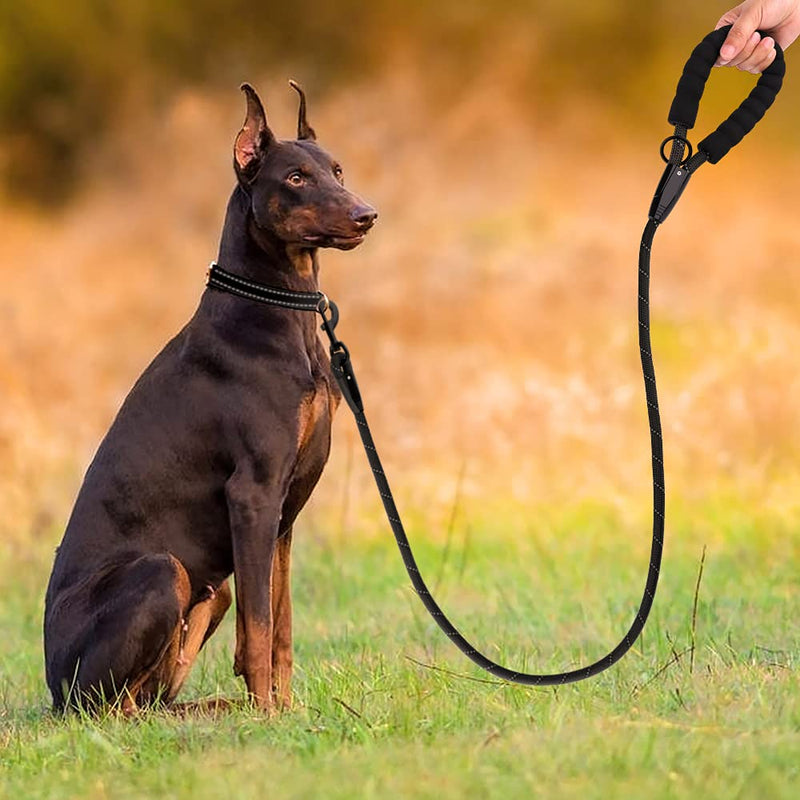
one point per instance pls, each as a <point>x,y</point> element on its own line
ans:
<point>543,590</point>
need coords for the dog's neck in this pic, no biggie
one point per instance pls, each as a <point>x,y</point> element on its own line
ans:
<point>250,251</point>
<point>253,253</point>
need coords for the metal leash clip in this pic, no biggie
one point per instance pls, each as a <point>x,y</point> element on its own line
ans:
<point>341,366</point>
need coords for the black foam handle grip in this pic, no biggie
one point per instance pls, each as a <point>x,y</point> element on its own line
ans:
<point>690,89</point>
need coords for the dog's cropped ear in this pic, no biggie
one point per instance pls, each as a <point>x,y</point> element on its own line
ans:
<point>255,136</point>
<point>304,130</point>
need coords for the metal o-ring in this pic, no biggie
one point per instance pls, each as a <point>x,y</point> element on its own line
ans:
<point>677,139</point>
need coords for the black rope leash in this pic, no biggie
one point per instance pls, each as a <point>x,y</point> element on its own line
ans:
<point>680,167</point>
<point>345,376</point>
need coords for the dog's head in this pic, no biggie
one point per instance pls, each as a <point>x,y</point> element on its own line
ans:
<point>296,189</point>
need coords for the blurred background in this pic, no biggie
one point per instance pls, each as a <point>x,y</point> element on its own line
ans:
<point>512,151</point>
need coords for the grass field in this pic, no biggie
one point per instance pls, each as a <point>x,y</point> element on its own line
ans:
<point>373,718</point>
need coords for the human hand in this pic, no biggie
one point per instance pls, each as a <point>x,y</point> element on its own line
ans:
<point>744,47</point>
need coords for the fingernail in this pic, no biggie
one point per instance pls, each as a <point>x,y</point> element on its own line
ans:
<point>726,53</point>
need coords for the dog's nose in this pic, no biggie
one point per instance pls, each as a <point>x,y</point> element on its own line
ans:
<point>364,216</point>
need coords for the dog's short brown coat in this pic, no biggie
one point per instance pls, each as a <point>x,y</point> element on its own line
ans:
<point>213,454</point>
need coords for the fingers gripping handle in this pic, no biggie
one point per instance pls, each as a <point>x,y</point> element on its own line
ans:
<point>743,120</point>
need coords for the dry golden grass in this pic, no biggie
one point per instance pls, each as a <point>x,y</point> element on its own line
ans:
<point>490,314</point>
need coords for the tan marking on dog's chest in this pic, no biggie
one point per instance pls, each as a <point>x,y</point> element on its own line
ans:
<point>315,408</point>
<point>301,260</point>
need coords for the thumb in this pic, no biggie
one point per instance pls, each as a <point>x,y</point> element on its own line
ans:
<point>738,36</point>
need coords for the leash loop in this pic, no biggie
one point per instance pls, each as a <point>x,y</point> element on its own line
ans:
<point>693,81</point>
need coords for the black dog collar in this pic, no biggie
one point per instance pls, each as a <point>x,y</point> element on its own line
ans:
<point>218,278</point>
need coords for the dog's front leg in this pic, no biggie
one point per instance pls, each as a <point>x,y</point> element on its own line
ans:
<point>254,527</point>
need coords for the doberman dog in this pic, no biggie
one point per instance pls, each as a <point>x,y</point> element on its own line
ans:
<point>211,457</point>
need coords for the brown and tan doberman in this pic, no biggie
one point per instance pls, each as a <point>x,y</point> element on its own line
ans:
<point>210,459</point>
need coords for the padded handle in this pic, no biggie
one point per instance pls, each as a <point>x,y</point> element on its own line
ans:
<point>743,120</point>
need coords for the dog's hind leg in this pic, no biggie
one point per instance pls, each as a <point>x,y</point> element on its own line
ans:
<point>120,628</point>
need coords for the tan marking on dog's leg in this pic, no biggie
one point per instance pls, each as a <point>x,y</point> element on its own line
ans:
<point>238,656</point>
<point>201,622</point>
<point>282,623</point>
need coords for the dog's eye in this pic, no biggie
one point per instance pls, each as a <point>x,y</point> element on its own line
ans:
<point>337,172</point>
<point>296,179</point>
